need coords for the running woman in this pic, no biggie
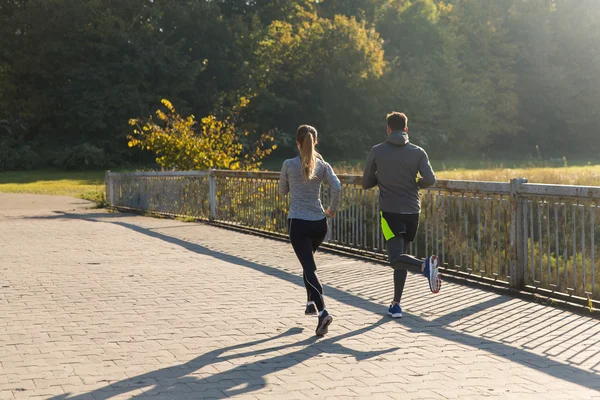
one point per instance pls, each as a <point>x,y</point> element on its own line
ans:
<point>394,165</point>
<point>307,221</point>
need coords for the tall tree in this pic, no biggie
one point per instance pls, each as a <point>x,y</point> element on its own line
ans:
<point>320,72</point>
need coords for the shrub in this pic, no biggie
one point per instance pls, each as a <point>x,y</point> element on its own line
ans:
<point>15,154</point>
<point>82,156</point>
<point>184,144</point>
<point>16,157</point>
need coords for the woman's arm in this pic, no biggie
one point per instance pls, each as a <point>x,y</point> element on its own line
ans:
<point>284,185</point>
<point>335,187</point>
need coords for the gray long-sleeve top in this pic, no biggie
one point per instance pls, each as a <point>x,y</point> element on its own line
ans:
<point>305,198</point>
<point>394,165</point>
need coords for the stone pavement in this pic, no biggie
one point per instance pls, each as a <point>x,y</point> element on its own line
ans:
<point>99,305</point>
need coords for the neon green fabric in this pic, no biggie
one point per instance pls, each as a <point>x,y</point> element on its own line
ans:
<point>385,228</point>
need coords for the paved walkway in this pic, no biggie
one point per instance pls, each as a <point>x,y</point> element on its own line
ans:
<point>98,305</point>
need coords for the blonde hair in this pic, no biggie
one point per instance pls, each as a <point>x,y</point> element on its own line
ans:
<point>306,137</point>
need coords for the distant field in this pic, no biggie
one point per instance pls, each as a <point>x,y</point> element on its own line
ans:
<point>485,164</point>
<point>585,176</point>
<point>577,172</point>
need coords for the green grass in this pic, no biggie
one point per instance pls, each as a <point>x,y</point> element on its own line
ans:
<point>82,184</point>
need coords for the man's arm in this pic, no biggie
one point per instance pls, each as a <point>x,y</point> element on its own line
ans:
<point>369,179</point>
<point>427,175</point>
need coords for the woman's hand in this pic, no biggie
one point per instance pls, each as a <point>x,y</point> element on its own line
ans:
<point>330,213</point>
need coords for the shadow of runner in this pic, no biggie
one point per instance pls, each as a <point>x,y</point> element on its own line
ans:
<point>241,379</point>
<point>438,328</point>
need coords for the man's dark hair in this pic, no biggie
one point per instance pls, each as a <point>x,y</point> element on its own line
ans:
<point>397,121</point>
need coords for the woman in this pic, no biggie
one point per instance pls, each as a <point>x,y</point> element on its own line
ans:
<point>307,222</point>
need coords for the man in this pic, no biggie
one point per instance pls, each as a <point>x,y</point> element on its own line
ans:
<point>394,165</point>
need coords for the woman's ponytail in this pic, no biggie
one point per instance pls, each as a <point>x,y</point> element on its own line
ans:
<point>306,136</point>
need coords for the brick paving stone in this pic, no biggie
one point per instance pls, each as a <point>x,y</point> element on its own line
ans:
<point>98,305</point>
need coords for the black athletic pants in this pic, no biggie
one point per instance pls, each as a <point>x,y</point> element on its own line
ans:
<point>306,237</point>
<point>404,227</point>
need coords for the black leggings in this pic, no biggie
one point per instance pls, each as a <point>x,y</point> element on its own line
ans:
<point>402,263</point>
<point>306,237</point>
<point>404,227</point>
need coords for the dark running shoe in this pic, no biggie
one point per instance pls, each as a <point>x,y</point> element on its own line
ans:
<point>395,311</point>
<point>324,321</point>
<point>311,309</point>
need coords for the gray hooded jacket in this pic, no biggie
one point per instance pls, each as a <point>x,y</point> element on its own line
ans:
<point>393,165</point>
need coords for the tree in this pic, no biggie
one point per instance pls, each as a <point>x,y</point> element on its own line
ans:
<point>487,59</point>
<point>558,60</point>
<point>320,72</point>
<point>106,62</point>
<point>426,78</point>
<point>483,76</point>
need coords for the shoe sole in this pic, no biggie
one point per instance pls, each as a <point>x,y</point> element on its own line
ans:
<point>312,314</point>
<point>434,276</point>
<point>395,315</point>
<point>438,284</point>
<point>324,327</point>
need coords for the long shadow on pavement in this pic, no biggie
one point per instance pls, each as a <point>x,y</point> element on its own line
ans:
<point>242,379</point>
<point>436,328</point>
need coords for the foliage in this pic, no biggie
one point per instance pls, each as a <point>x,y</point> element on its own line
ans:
<point>217,143</point>
<point>98,197</point>
<point>14,152</point>
<point>323,71</point>
<point>83,156</point>
<point>497,77</point>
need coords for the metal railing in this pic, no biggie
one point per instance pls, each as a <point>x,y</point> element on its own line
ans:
<point>528,236</point>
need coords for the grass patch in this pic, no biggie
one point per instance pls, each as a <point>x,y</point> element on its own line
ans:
<point>88,185</point>
<point>61,183</point>
<point>186,219</point>
<point>97,197</point>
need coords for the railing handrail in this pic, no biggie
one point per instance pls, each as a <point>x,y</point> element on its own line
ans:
<point>560,191</point>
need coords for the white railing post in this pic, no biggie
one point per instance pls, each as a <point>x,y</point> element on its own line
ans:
<point>108,188</point>
<point>517,266</point>
<point>212,194</point>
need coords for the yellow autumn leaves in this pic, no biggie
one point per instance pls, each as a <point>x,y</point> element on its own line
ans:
<point>185,144</point>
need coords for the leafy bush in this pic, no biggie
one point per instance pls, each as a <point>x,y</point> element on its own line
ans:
<point>82,156</point>
<point>216,143</point>
<point>16,157</point>
<point>15,154</point>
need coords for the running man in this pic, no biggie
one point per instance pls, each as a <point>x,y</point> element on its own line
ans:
<point>394,165</point>
<point>307,222</point>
